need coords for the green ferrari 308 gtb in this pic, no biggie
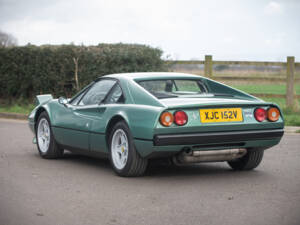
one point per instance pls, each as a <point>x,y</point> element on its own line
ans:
<point>131,118</point>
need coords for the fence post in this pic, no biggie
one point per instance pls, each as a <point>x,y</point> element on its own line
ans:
<point>208,66</point>
<point>291,102</point>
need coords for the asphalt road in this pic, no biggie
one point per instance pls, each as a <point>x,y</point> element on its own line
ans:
<point>80,190</point>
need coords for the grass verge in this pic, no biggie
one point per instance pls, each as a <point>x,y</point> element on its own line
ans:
<point>291,118</point>
<point>17,108</point>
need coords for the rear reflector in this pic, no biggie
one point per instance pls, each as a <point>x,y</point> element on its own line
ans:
<point>273,114</point>
<point>166,119</point>
<point>180,118</point>
<point>260,114</point>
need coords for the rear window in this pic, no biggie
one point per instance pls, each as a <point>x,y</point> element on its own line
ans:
<point>173,88</point>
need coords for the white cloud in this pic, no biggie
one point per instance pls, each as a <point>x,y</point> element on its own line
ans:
<point>183,29</point>
<point>273,8</point>
<point>276,40</point>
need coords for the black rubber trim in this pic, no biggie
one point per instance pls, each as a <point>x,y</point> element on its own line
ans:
<point>216,137</point>
<point>84,131</point>
<point>85,152</point>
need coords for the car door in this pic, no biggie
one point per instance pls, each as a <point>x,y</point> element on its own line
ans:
<point>108,108</point>
<point>77,119</point>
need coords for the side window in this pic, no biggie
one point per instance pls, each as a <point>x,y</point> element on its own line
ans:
<point>97,93</point>
<point>77,99</point>
<point>78,96</point>
<point>154,85</point>
<point>187,85</point>
<point>115,96</point>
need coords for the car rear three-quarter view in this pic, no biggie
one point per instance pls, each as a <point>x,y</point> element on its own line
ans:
<point>135,117</point>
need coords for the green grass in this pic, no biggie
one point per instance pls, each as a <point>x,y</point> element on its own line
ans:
<point>279,101</point>
<point>292,118</point>
<point>266,88</point>
<point>17,108</point>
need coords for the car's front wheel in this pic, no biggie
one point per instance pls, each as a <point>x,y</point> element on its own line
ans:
<point>124,158</point>
<point>47,146</point>
<point>249,161</point>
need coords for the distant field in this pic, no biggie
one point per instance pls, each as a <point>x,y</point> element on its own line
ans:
<point>266,88</point>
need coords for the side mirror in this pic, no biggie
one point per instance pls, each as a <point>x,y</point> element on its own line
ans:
<point>63,101</point>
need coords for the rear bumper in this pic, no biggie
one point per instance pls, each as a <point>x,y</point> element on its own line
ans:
<point>216,137</point>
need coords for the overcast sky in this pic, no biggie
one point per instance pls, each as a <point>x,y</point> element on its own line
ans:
<point>183,29</point>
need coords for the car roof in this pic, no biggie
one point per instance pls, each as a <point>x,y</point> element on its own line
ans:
<point>153,75</point>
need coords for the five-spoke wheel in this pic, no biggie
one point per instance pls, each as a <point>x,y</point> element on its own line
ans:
<point>43,135</point>
<point>124,158</point>
<point>47,146</point>
<point>119,148</point>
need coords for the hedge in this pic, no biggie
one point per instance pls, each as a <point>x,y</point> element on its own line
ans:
<point>30,70</point>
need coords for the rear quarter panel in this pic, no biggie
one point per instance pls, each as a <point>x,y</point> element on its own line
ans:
<point>141,119</point>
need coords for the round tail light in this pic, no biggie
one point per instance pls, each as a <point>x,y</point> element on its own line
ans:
<point>273,114</point>
<point>166,119</point>
<point>260,114</point>
<point>180,118</point>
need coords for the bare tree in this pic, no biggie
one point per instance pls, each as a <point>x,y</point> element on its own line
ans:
<point>7,40</point>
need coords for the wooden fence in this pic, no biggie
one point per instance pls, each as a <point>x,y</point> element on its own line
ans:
<point>289,79</point>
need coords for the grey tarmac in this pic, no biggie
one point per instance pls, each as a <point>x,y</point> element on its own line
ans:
<point>81,190</point>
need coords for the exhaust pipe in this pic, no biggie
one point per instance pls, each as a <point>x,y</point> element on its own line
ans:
<point>208,156</point>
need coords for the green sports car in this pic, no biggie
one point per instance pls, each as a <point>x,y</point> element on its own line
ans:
<point>134,117</point>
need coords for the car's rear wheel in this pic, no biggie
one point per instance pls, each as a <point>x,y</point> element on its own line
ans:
<point>124,158</point>
<point>249,161</point>
<point>47,146</point>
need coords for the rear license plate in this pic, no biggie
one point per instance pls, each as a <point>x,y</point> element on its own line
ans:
<point>221,115</point>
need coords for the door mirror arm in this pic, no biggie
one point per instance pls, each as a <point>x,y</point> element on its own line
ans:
<point>63,101</point>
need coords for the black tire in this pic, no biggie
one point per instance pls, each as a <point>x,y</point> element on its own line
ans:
<point>249,161</point>
<point>53,151</point>
<point>135,164</point>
